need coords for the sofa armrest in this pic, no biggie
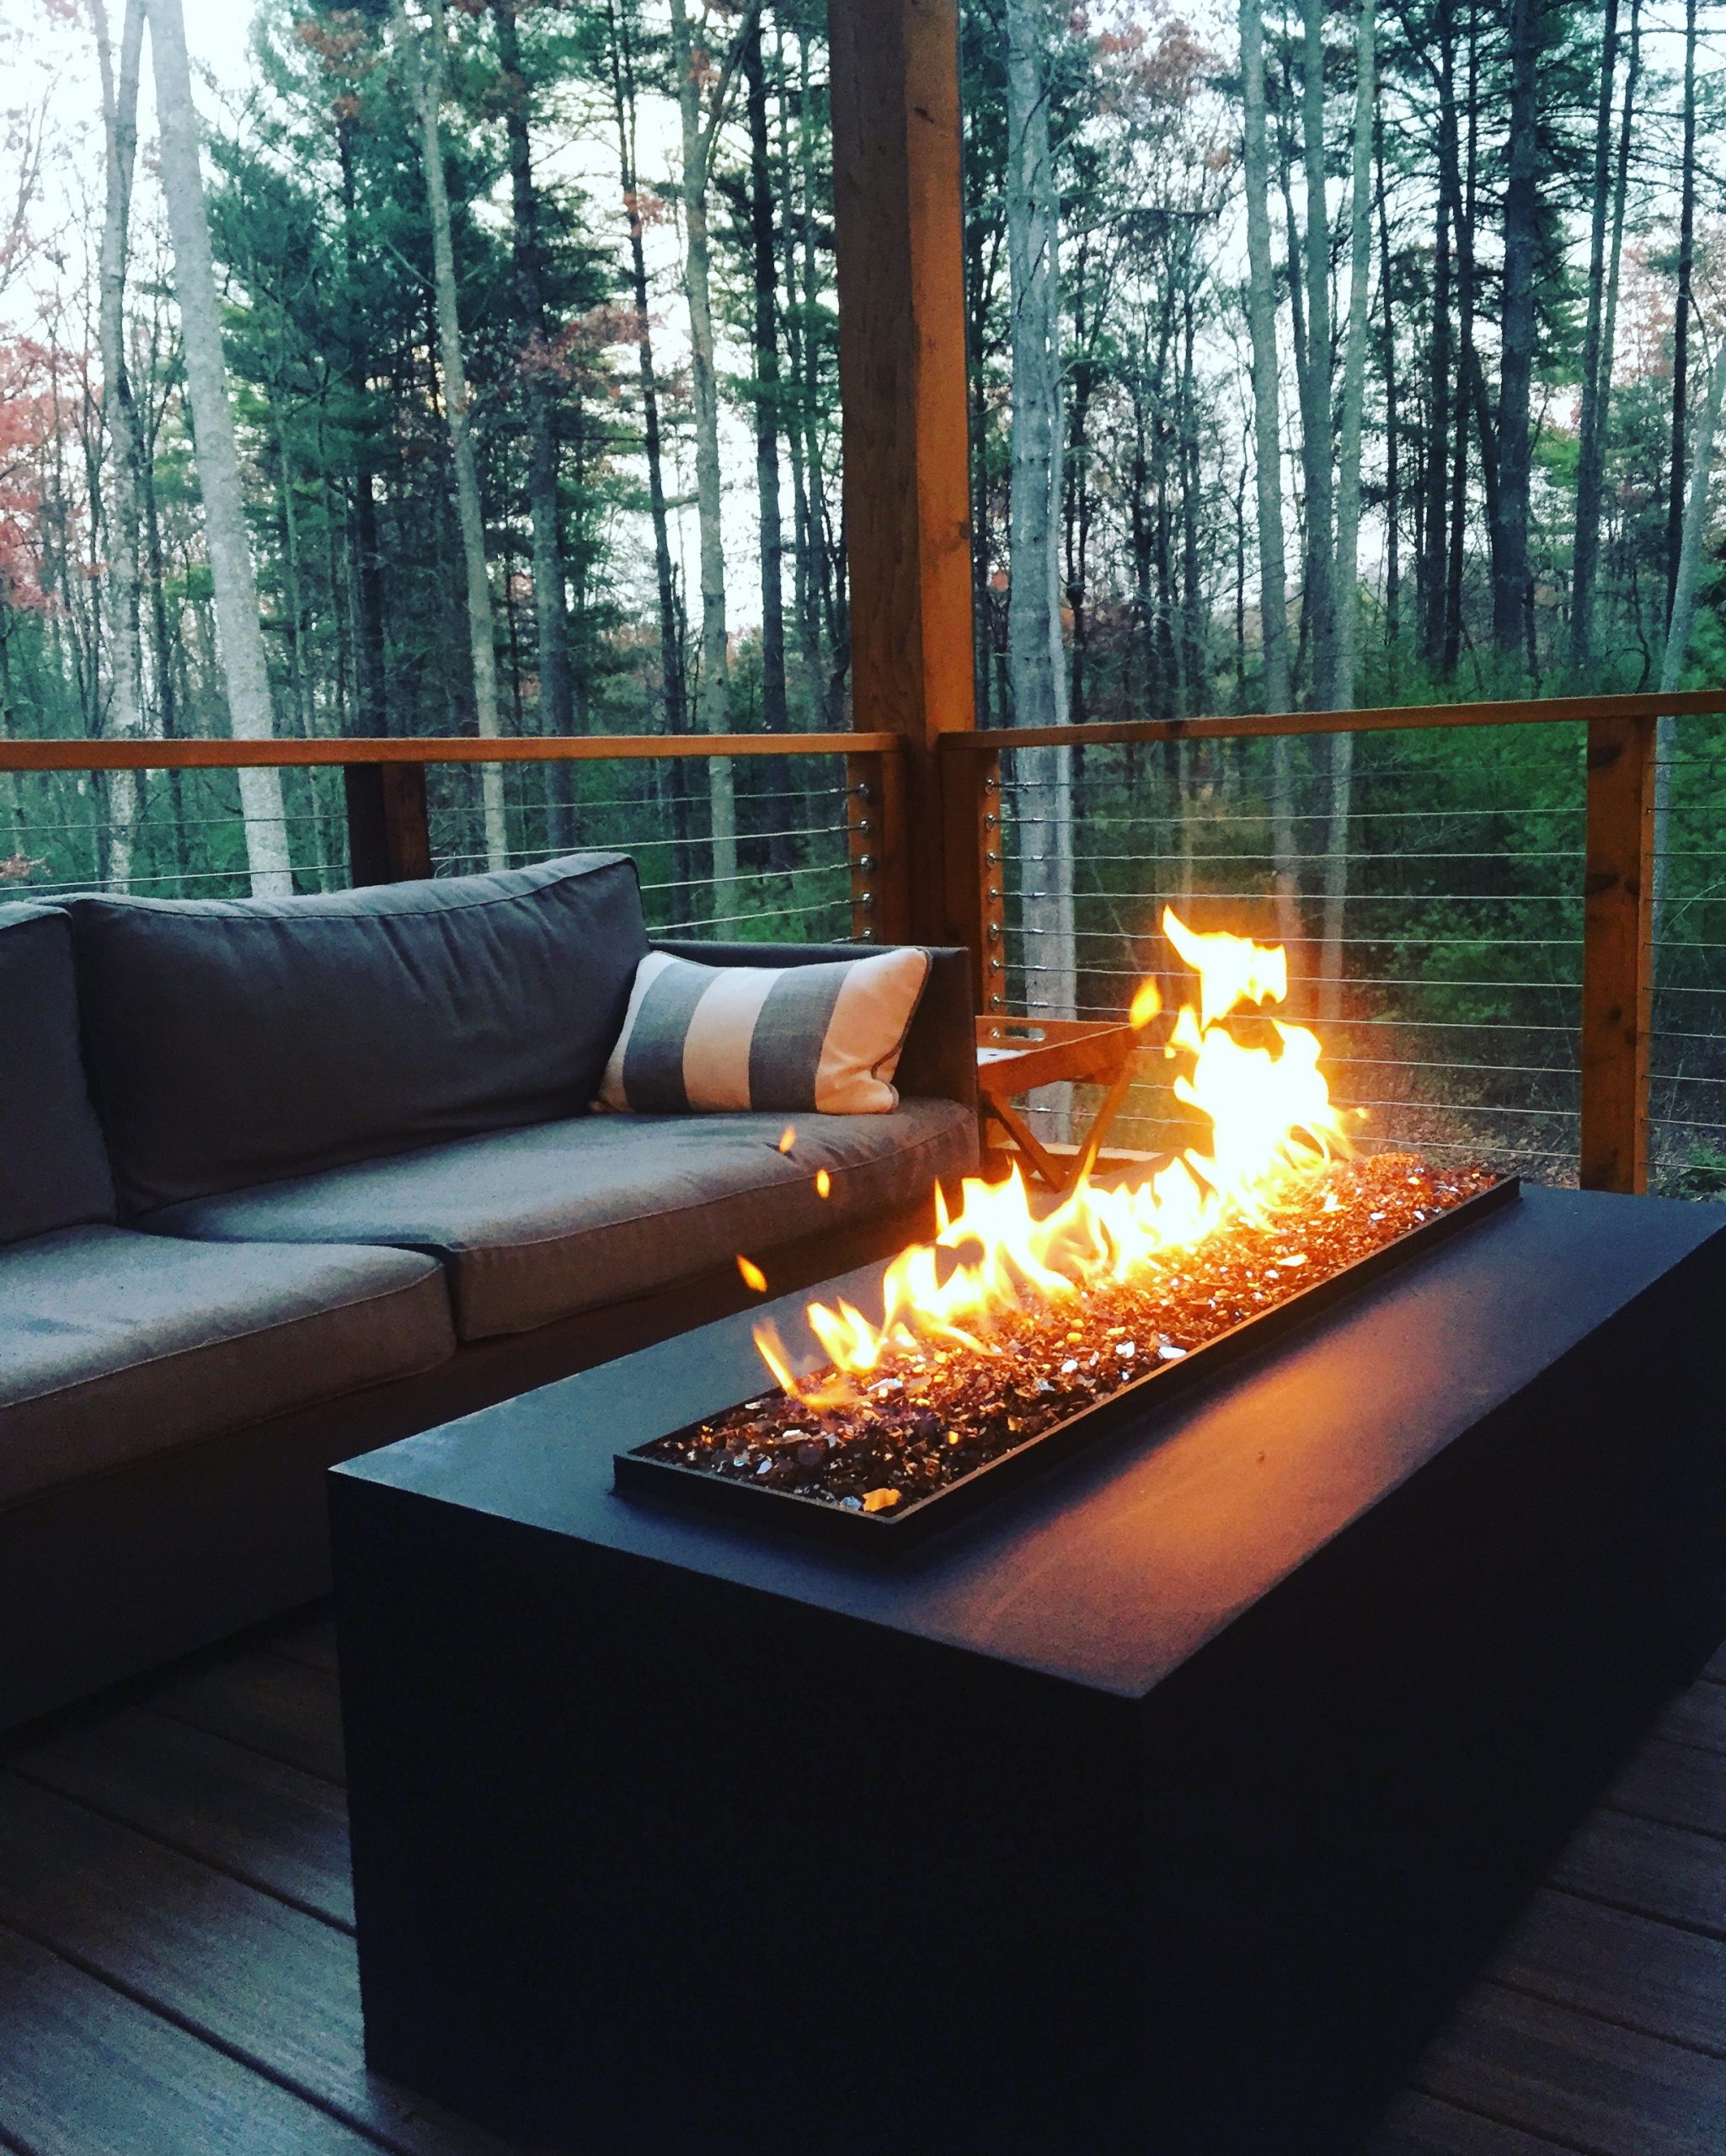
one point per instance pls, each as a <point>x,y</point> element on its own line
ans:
<point>940,1057</point>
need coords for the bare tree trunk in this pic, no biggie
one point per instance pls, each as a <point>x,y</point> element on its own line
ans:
<point>764,277</point>
<point>119,118</point>
<point>218,460</point>
<point>1035,657</point>
<point>1596,363</point>
<point>797,331</point>
<point>1431,580</point>
<point>1513,595</point>
<point>1354,364</point>
<point>1342,745</point>
<point>372,671</point>
<point>1393,502</point>
<point>713,703</point>
<point>556,691</point>
<point>1464,171</point>
<point>1261,322</point>
<point>1678,631</point>
<point>1681,318</point>
<point>426,63</point>
<point>1615,260</point>
<point>622,68</point>
<point>1695,516</point>
<point>674,685</point>
<point>1318,448</point>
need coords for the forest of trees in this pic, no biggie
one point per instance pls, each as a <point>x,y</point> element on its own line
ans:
<point>480,376</point>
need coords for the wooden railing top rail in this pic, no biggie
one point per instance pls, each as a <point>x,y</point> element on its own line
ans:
<point>75,754</point>
<point>1532,711</point>
<point>145,755</point>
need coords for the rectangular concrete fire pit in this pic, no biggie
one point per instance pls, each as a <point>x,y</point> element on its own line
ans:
<point>1165,1809</point>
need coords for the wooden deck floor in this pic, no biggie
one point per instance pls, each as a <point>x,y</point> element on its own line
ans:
<point>177,1965</point>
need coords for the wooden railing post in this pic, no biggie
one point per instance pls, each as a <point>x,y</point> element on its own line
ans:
<point>1617,954</point>
<point>874,816</point>
<point>389,834</point>
<point>894,65</point>
<point>974,902</point>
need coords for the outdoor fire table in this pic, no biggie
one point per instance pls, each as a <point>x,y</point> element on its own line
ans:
<point>1163,1806</point>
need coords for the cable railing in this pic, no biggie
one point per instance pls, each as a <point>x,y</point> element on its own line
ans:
<point>1432,918</point>
<point>740,839</point>
<point>758,850</point>
<point>1687,1058</point>
<point>1515,956</point>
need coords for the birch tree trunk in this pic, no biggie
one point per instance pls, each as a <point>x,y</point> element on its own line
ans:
<point>1696,517</point>
<point>425,66</point>
<point>765,277</point>
<point>712,699</point>
<point>1342,745</point>
<point>1683,617</point>
<point>1261,324</point>
<point>622,73</point>
<point>792,215</point>
<point>119,127</point>
<point>1318,448</point>
<point>1267,454</point>
<point>238,622</point>
<point>1035,659</point>
<point>1347,575</point>
<point>1682,307</point>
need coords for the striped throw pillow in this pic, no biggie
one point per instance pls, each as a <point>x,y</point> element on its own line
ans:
<point>825,1037</point>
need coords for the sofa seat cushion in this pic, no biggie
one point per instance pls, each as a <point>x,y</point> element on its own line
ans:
<point>536,1224</point>
<point>113,1345</point>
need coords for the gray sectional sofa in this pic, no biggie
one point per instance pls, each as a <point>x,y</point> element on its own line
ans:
<point>281,1181</point>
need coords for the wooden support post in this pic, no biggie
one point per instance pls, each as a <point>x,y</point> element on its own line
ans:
<point>874,804</point>
<point>1617,954</point>
<point>894,65</point>
<point>389,836</point>
<point>975,899</point>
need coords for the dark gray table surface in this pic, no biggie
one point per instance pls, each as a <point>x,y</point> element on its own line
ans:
<point>1115,1569</point>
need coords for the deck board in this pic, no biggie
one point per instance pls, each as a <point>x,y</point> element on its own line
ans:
<point>1550,2070</point>
<point>1675,1784</point>
<point>1698,1717</point>
<point>176,1975</point>
<point>85,2072</point>
<point>254,1977</point>
<point>1422,2126</point>
<point>272,1825</point>
<point>1664,1872</point>
<point>1620,1968</point>
<point>309,1637</point>
<point>282,1709</point>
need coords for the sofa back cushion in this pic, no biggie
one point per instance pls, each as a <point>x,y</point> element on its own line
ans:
<point>54,1171</point>
<point>233,1042</point>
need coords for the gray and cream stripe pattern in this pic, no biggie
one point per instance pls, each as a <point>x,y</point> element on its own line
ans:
<point>823,1037</point>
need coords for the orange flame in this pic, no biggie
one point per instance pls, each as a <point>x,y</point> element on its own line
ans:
<point>1274,1132</point>
<point>753,1276</point>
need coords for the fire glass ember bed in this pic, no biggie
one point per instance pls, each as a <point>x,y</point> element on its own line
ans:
<point>1022,1335</point>
<point>944,1430</point>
